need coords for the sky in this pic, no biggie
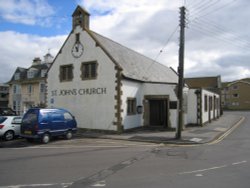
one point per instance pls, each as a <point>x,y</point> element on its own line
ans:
<point>217,32</point>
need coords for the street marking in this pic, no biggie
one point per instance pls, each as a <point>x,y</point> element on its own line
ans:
<point>227,132</point>
<point>99,184</point>
<point>203,170</point>
<point>88,146</point>
<point>36,185</point>
<point>199,175</point>
<point>196,139</point>
<point>212,168</point>
<point>237,163</point>
<point>220,129</point>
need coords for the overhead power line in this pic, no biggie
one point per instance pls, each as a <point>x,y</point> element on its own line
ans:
<point>207,7</point>
<point>168,40</point>
<point>160,52</point>
<point>200,14</point>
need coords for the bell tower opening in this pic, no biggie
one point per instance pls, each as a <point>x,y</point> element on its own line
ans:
<point>80,18</point>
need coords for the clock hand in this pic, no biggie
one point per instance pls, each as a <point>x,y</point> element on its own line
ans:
<point>77,48</point>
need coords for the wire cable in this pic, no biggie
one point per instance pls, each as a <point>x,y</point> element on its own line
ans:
<point>214,10</point>
<point>160,52</point>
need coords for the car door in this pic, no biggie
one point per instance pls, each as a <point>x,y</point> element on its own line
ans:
<point>15,124</point>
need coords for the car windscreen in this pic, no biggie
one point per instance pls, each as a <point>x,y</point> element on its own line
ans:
<point>30,118</point>
<point>2,119</point>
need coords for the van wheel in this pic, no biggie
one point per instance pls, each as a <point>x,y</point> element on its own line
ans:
<point>9,135</point>
<point>45,138</point>
<point>69,135</point>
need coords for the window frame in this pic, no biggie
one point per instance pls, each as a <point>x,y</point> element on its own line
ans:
<point>131,106</point>
<point>91,73</point>
<point>30,89</point>
<point>235,95</point>
<point>68,75</point>
<point>235,87</point>
<point>17,76</point>
<point>205,103</point>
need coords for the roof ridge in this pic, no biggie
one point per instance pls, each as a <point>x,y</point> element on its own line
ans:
<point>133,64</point>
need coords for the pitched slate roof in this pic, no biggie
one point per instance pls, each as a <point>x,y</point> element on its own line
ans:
<point>23,72</point>
<point>135,65</point>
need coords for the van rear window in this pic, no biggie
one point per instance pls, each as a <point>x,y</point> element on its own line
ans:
<point>30,118</point>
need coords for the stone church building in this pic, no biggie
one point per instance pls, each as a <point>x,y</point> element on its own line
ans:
<point>108,86</point>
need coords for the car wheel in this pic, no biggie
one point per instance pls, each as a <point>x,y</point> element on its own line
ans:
<point>9,135</point>
<point>45,138</point>
<point>69,135</point>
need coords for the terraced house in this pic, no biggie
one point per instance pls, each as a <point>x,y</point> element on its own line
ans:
<point>28,85</point>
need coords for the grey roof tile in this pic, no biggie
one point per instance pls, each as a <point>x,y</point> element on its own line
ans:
<point>135,65</point>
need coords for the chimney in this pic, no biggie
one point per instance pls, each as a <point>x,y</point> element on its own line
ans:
<point>36,61</point>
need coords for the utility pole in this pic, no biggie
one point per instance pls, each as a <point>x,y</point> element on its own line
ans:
<point>181,71</point>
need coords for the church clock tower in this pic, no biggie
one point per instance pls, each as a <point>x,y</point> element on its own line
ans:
<point>80,17</point>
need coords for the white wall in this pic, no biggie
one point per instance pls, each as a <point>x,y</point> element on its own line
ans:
<point>192,107</point>
<point>139,90</point>
<point>205,114</point>
<point>133,90</point>
<point>96,110</point>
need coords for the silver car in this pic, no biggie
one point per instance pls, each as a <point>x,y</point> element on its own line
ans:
<point>10,127</point>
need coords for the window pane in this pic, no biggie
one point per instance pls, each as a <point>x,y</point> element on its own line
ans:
<point>93,70</point>
<point>89,70</point>
<point>131,106</point>
<point>66,73</point>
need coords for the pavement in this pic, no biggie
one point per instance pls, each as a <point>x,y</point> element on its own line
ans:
<point>210,133</point>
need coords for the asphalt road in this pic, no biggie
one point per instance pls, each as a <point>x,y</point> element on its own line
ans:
<point>110,163</point>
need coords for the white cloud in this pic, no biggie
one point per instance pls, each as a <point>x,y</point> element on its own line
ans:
<point>20,49</point>
<point>28,12</point>
<point>215,45</point>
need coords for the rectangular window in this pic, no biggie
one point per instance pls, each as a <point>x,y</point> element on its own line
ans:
<point>16,89</point>
<point>89,70</point>
<point>131,106</point>
<point>17,106</point>
<point>235,95</point>
<point>205,101</point>
<point>30,74</point>
<point>77,37</point>
<point>17,76</point>
<point>42,87</point>
<point>66,73</point>
<point>210,103</point>
<point>30,88</point>
<point>235,87</point>
<point>43,73</point>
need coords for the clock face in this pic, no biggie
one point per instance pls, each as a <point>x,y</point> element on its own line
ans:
<point>77,50</point>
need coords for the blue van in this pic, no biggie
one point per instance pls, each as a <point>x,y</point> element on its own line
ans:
<point>42,124</point>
